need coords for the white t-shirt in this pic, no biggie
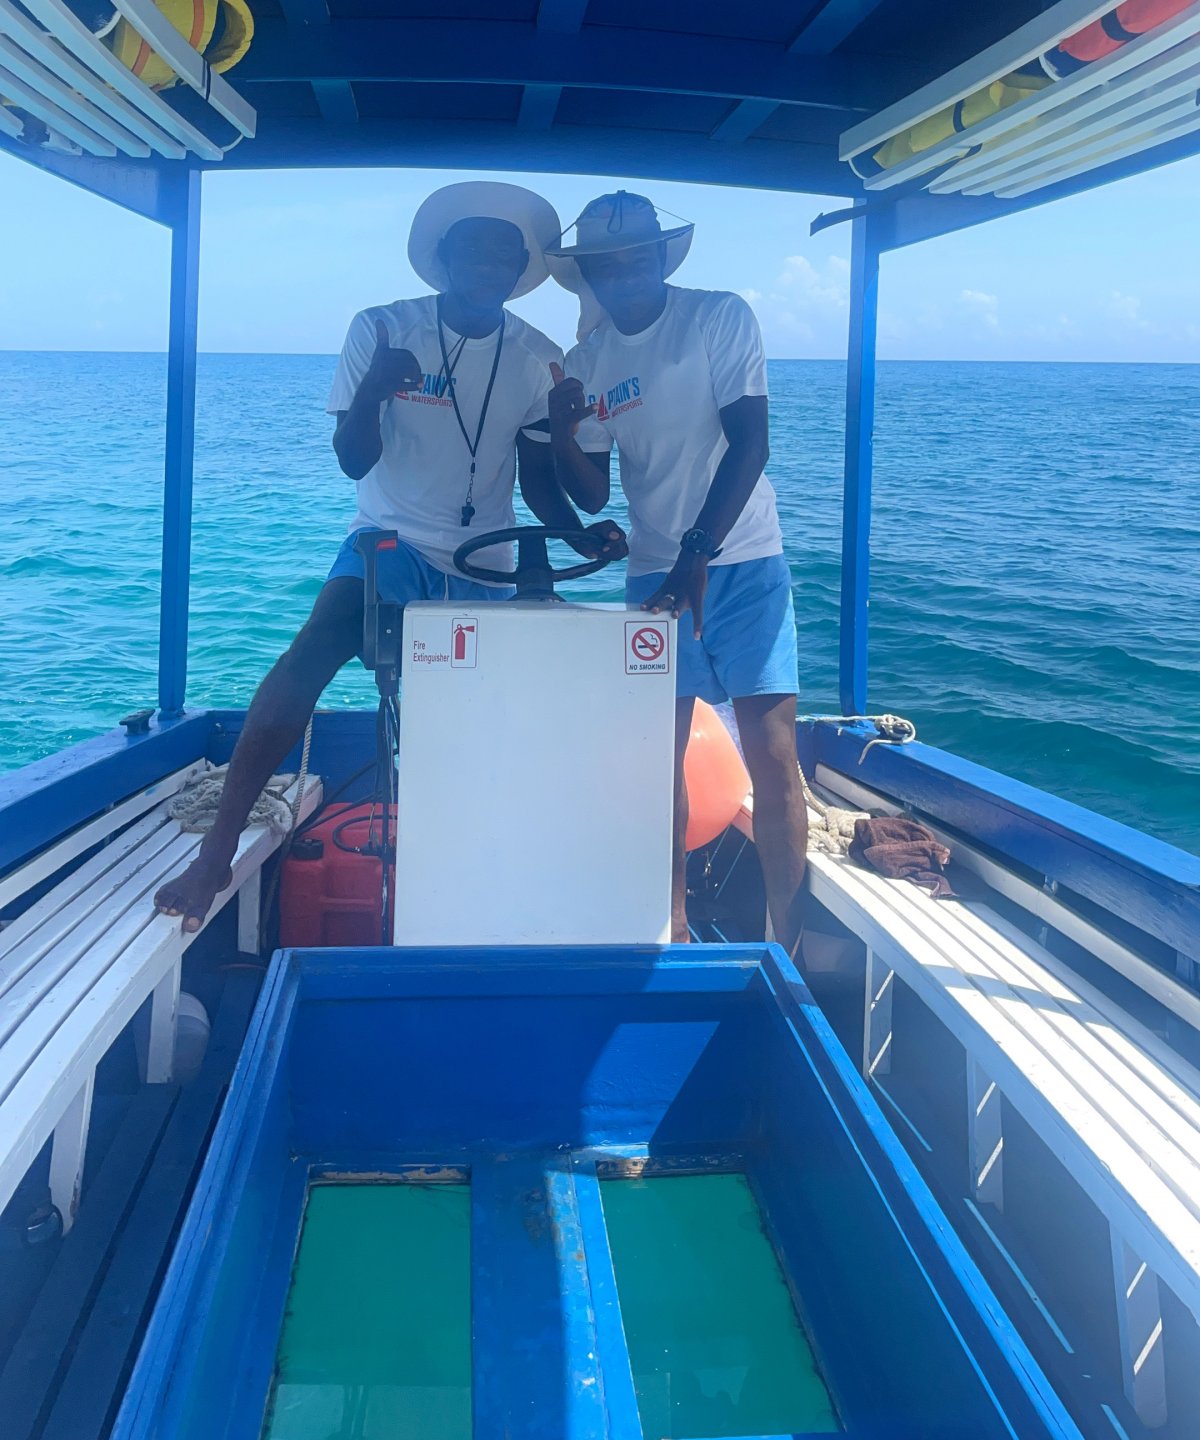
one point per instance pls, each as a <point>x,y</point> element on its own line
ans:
<point>419,484</point>
<point>659,395</point>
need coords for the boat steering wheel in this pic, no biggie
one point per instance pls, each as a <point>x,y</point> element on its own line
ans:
<point>533,576</point>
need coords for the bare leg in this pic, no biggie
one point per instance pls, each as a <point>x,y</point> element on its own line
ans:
<point>683,730</point>
<point>767,725</point>
<point>274,723</point>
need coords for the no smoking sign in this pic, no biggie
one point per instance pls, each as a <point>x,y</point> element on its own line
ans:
<point>647,648</point>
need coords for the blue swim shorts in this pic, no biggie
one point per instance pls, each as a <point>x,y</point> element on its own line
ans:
<point>404,574</point>
<point>749,642</point>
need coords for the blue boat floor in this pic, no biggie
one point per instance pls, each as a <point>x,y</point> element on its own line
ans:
<point>73,1310</point>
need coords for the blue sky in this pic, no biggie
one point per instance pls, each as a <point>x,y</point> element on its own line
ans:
<point>289,256</point>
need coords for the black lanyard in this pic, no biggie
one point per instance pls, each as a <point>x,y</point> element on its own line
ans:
<point>468,509</point>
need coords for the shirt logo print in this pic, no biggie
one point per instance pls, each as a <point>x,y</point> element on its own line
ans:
<point>617,399</point>
<point>434,391</point>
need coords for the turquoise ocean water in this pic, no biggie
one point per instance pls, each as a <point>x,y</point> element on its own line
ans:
<point>1036,538</point>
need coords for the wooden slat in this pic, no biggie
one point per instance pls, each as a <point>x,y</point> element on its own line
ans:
<point>42,1062</point>
<point>1058,1024</point>
<point>61,1302</point>
<point>94,930</point>
<point>26,876</point>
<point>1112,1171</point>
<point>1179,999</point>
<point>34,933</point>
<point>105,1349</point>
<point>1035,37</point>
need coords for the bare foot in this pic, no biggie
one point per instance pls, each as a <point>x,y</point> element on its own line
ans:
<point>680,934</point>
<point>191,894</point>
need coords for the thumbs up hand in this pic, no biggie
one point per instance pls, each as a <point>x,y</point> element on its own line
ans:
<point>391,372</point>
<point>568,406</point>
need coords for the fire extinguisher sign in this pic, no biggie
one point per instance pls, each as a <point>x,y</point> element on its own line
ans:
<point>647,648</point>
<point>464,642</point>
<point>435,644</point>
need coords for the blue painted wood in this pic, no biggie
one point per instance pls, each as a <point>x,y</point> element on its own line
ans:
<point>832,25</point>
<point>42,802</point>
<point>1001,1387</point>
<point>561,16</point>
<point>335,100</point>
<point>620,1397</point>
<point>230,1226</point>
<point>410,1074</point>
<point>859,442</point>
<point>46,1332</point>
<point>181,427</point>
<point>103,1355</point>
<point>1145,881</point>
<point>562,149</point>
<point>917,216</point>
<point>607,57</point>
<point>534,1345</point>
<point>145,187</point>
<point>539,104</point>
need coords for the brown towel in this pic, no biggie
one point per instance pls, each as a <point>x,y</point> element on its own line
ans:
<point>902,850</point>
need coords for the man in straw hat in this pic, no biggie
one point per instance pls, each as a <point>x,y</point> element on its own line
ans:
<point>676,380</point>
<point>436,400</point>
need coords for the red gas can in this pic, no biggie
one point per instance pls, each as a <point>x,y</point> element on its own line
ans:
<point>331,890</point>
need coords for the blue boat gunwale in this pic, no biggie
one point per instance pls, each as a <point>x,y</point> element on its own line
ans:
<point>1152,885</point>
<point>762,974</point>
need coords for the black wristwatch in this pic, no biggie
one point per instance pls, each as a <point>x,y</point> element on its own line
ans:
<point>699,542</point>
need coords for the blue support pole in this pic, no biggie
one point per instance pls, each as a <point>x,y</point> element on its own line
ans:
<point>856,500</point>
<point>181,425</point>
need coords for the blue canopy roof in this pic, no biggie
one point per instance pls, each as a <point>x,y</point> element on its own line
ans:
<point>700,90</point>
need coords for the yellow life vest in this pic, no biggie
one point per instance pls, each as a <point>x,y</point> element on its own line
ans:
<point>220,30</point>
<point>931,131</point>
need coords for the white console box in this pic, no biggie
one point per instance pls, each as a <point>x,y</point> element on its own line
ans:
<point>535,782</point>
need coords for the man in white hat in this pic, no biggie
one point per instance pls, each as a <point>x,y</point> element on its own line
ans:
<point>436,401</point>
<point>676,380</point>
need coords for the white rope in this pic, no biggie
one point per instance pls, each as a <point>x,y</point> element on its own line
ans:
<point>195,806</point>
<point>303,779</point>
<point>833,829</point>
<point>889,729</point>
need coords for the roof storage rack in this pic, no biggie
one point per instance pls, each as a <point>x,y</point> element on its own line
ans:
<point>1080,86</point>
<point>61,85</point>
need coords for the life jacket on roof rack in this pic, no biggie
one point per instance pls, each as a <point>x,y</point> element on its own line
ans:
<point>931,131</point>
<point>220,30</point>
<point>1121,25</point>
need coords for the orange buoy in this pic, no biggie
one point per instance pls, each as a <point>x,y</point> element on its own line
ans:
<point>717,780</point>
<point>1123,23</point>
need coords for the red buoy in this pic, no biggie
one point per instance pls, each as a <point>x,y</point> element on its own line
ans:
<point>716,776</point>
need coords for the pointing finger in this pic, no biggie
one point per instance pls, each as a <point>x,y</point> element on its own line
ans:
<point>556,372</point>
<point>382,338</point>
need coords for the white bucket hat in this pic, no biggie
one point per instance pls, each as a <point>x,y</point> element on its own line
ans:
<point>615,222</point>
<point>609,223</point>
<point>534,217</point>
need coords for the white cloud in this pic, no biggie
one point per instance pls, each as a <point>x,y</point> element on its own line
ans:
<point>1126,308</point>
<point>803,312</point>
<point>984,306</point>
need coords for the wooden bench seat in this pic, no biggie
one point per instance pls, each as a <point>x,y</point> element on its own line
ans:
<point>76,966</point>
<point>1112,1101</point>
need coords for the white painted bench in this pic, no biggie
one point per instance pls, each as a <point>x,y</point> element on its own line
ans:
<point>1113,1102</point>
<point>77,965</point>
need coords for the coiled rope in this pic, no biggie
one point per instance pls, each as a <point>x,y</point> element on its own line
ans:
<point>833,829</point>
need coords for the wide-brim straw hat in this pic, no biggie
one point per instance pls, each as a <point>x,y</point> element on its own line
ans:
<point>533,216</point>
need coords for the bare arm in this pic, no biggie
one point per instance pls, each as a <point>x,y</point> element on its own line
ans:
<point>357,440</point>
<point>544,495</point>
<point>745,425</point>
<point>585,477</point>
